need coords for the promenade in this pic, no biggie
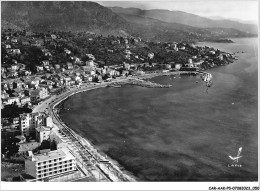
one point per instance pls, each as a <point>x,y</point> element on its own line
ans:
<point>88,158</point>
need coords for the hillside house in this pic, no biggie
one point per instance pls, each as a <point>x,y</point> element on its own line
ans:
<point>14,67</point>
<point>7,46</point>
<point>18,84</point>
<point>16,51</point>
<point>45,63</point>
<point>69,66</point>
<point>4,86</point>
<point>25,100</point>
<point>77,60</point>
<point>67,51</point>
<point>220,57</point>
<point>39,68</point>
<point>4,95</point>
<point>126,41</point>
<point>168,66</point>
<point>53,36</point>
<point>127,56</point>
<point>11,100</point>
<point>26,73</point>
<point>150,55</point>
<point>14,40</point>
<point>177,66</point>
<point>127,52</point>
<point>13,74</point>
<point>90,56</point>
<point>198,64</point>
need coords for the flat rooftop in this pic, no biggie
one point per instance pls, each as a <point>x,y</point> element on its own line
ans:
<point>43,128</point>
<point>49,156</point>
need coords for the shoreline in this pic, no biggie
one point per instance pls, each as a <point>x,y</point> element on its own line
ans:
<point>123,174</point>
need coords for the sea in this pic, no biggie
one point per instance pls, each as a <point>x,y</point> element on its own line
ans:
<point>183,133</point>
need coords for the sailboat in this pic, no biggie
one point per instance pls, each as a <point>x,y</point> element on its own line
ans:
<point>208,79</point>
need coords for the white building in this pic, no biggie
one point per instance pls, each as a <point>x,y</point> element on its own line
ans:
<point>25,100</point>
<point>67,51</point>
<point>47,165</point>
<point>212,52</point>
<point>42,133</point>
<point>28,122</point>
<point>11,100</point>
<point>16,51</point>
<point>127,66</point>
<point>151,55</point>
<point>178,66</point>
<point>90,56</point>
<point>198,64</point>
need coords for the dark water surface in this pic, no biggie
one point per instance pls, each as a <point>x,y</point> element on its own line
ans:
<point>179,133</point>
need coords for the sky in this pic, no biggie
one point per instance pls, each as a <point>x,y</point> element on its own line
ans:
<point>234,9</point>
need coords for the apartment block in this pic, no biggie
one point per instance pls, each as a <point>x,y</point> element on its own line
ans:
<point>52,164</point>
<point>28,122</point>
<point>42,133</point>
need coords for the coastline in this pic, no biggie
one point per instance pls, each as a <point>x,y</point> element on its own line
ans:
<point>122,174</point>
<point>82,140</point>
<point>54,101</point>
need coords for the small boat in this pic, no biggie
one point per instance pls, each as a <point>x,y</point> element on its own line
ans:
<point>207,77</point>
<point>209,83</point>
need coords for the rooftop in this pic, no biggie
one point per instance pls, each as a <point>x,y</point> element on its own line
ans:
<point>50,155</point>
<point>29,146</point>
<point>43,128</point>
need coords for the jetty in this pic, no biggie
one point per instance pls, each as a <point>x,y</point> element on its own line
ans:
<point>140,82</point>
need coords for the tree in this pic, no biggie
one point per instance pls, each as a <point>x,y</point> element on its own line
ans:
<point>12,111</point>
<point>45,145</point>
<point>9,146</point>
<point>53,145</point>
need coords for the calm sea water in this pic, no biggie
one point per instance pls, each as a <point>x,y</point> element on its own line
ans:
<point>182,133</point>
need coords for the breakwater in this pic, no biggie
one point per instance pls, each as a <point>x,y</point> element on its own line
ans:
<point>141,83</point>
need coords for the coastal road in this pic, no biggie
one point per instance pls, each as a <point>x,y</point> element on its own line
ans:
<point>81,148</point>
<point>107,171</point>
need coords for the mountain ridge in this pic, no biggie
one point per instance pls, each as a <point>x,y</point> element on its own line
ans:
<point>84,16</point>
<point>187,19</point>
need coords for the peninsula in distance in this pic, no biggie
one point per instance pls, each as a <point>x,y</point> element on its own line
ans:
<point>128,91</point>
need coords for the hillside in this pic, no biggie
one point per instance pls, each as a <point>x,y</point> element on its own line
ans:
<point>186,19</point>
<point>78,16</point>
<point>62,16</point>
<point>157,30</point>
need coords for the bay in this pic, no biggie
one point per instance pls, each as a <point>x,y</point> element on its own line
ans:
<point>182,133</point>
